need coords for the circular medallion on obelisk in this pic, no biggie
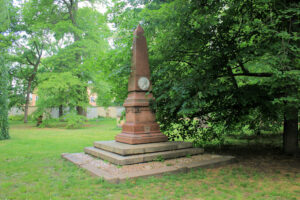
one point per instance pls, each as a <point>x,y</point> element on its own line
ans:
<point>143,83</point>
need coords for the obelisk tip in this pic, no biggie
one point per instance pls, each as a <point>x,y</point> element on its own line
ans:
<point>139,30</point>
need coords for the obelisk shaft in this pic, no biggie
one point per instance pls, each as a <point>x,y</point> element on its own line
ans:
<point>140,62</point>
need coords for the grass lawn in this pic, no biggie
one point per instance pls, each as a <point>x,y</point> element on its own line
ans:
<point>31,167</point>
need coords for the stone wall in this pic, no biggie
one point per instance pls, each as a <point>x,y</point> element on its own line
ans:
<point>92,112</point>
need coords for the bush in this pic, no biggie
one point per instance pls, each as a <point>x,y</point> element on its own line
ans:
<point>16,117</point>
<point>49,123</point>
<point>4,133</point>
<point>194,129</point>
<point>74,120</point>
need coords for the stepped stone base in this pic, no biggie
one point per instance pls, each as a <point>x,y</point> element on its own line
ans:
<point>126,154</point>
<point>115,174</point>
<point>140,160</point>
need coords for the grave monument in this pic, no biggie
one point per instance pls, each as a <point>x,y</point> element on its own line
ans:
<point>140,140</point>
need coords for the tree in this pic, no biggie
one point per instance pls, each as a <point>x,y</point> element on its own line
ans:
<point>227,63</point>
<point>6,23</point>
<point>4,134</point>
<point>33,34</point>
<point>62,38</point>
<point>63,88</point>
<point>84,31</point>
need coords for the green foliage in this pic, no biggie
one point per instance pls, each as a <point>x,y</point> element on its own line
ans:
<point>48,123</point>
<point>40,111</point>
<point>74,120</point>
<point>159,159</point>
<point>81,35</point>
<point>54,36</point>
<point>16,117</point>
<point>111,81</point>
<point>4,44</point>
<point>4,132</point>
<point>230,64</point>
<point>198,131</point>
<point>64,89</point>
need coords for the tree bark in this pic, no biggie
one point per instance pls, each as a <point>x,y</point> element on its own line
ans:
<point>60,111</point>
<point>39,120</point>
<point>80,111</point>
<point>27,101</point>
<point>290,133</point>
<point>72,6</point>
<point>31,78</point>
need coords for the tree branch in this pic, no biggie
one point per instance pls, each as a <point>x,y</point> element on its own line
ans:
<point>183,61</point>
<point>254,74</point>
<point>243,67</point>
<point>36,48</point>
<point>31,63</point>
<point>68,5</point>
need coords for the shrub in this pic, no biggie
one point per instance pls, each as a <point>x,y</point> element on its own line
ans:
<point>49,123</point>
<point>194,129</point>
<point>16,117</point>
<point>74,120</point>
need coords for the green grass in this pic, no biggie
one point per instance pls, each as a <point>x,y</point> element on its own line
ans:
<point>31,167</point>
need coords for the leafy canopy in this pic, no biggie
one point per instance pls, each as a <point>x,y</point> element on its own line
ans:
<point>225,63</point>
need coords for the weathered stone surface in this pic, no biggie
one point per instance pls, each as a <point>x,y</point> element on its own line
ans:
<point>115,174</point>
<point>132,159</point>
<point>141,138</point>
<point>127,149</point>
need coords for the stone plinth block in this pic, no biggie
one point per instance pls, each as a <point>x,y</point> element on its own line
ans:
<point>127,149</point>
<point>141,138</point>
<point>140,158</point>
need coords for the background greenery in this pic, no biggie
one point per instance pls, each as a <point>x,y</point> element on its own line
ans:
<point>4,43</point>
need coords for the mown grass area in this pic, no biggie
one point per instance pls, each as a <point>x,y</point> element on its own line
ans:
<point>31,167</point>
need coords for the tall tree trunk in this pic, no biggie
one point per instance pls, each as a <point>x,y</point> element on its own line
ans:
<point>80,111</point>
<point>72,6</point>
<point>290,132</point>
<point>4,132</point>
<point>31,78</point>
<point>60,111</point>
<point>39,120</point>
<point>27,101</point>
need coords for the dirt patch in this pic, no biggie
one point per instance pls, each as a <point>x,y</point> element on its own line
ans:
<point>264,160</point>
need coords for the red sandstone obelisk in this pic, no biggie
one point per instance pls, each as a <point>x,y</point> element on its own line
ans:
<point>140,126</point>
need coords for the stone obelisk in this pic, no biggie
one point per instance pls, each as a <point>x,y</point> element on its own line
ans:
<point>140,126</point>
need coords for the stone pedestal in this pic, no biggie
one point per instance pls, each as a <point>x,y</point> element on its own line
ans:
<point>140,126</point>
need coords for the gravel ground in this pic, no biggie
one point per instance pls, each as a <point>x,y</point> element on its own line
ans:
<point>115,169</point>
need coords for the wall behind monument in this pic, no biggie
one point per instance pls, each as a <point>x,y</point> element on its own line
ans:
<point>92,111</point>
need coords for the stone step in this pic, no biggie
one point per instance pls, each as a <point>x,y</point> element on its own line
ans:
<point>129,149</point>
<point>132,159</point>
